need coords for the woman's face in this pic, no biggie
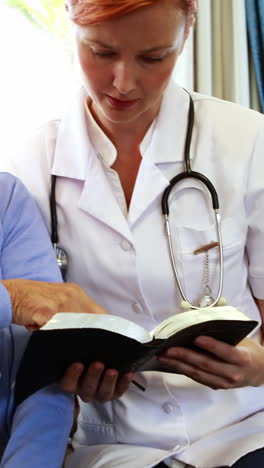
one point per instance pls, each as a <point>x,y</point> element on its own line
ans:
<point>127,62</point>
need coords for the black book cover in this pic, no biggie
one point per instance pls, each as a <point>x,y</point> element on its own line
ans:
<point>50,352</point>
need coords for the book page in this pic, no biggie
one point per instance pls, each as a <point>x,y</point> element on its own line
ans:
<point>185,319</point>
<point>109,322</point>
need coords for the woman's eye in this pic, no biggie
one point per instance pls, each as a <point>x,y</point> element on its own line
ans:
<point>152,59</point>
<point>100,53</point>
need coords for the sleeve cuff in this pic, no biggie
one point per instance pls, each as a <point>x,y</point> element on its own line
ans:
<point>50,413</point>
<point>5,307</point>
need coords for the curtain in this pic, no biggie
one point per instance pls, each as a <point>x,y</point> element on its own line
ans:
<point>255,22</point>
<point>216,59</point>
<point>221,50</point>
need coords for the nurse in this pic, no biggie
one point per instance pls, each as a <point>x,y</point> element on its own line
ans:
<point>114,153</point>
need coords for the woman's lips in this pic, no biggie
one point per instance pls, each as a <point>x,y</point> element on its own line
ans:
<point>120,104</point>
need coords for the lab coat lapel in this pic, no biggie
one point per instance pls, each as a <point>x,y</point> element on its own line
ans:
<point>150,184</point>
<point>75,158</point>
<point>163,158</point>
<point>165,150</point>
<point>98,200</point>
<point>73,148</point>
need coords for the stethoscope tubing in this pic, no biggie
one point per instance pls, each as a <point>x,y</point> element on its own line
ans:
<point>53,212</point>
<point>188,175</point>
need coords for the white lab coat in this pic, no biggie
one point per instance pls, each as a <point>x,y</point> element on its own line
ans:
<point>124,264</point>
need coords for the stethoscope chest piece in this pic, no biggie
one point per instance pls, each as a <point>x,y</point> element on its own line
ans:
<point>62,260</point>
<point>206,301</point>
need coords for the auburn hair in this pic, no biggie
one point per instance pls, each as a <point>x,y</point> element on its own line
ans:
<point>87,12</point>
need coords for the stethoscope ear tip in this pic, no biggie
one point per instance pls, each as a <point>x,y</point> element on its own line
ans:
<point>222,302</point>
<point>185,305</point>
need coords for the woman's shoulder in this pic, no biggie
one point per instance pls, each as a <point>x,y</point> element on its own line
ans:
<point>40,144</point>
<point>30,160</point>
<point>34,149</point>
<point>227,112</point>
<point>42,138</point>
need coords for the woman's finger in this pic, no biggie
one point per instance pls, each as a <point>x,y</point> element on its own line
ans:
<point>70,380</point>
<point>90,381</point>
<point>199,375</point>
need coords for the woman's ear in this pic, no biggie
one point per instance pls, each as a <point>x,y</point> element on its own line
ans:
<point>189,24</point>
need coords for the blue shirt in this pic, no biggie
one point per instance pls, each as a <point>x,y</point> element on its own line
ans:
<point>39,428</point>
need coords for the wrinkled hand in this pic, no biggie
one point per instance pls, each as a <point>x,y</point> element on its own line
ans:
<point>237,366</point>
<point>35,302</point>
<point>95,383</point>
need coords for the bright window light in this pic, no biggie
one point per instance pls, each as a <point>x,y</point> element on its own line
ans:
<point>38,78</point>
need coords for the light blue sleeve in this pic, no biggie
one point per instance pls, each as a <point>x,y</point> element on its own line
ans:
<point>26,249</point>
<point>5,307</point>
<point>40,430</point>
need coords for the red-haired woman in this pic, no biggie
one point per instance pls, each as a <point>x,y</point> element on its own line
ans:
<point>114,153</point>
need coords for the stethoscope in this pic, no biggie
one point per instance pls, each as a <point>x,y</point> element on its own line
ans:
<point>60,253</point>
<point>206,300</point>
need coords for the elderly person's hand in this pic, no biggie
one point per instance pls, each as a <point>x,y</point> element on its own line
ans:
<point>233,367</point>
<point>35,302</point>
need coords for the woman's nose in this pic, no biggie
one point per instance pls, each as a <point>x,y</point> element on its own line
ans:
<point>124,79</point>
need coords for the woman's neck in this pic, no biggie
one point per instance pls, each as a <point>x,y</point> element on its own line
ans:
<point>126,136</point>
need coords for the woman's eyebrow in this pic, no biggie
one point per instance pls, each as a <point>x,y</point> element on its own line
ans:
<point>98,42</point>
<point>158,48</point>
<point>143,51</point>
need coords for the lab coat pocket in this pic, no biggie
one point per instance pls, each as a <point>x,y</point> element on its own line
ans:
<point>197,268</point>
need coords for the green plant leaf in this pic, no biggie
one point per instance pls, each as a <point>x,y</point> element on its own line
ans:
<point>44,14</point>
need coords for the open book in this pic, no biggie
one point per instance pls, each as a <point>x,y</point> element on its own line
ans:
<point>118,343</point>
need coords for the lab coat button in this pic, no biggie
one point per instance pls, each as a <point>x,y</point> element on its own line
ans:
<point>126,245</point>
<point>167,408</point>
<point>136,307</point>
